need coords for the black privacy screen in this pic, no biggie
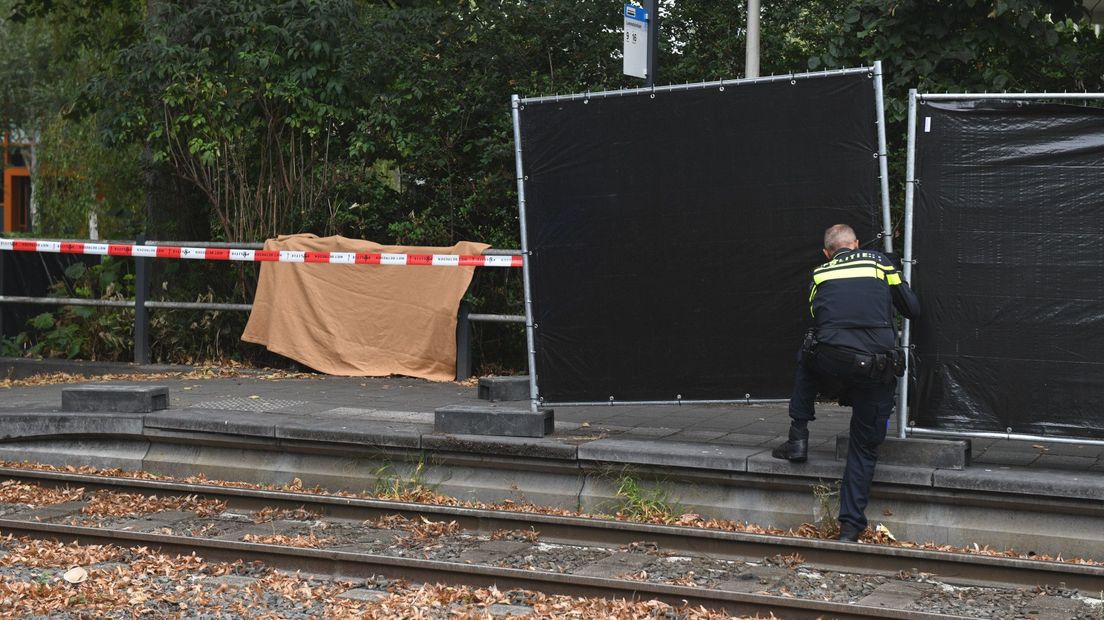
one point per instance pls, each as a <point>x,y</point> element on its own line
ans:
<point>673,236</point>
<point>1009,243</point>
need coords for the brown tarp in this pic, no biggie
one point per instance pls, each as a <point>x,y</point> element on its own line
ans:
<point>361,320</point>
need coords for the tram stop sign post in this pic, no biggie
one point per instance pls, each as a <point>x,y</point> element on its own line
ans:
<point>636,41</point>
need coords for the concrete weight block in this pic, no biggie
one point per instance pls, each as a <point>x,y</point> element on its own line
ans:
<point>115,398</point>
<point>497,389</point>
<point>493,420</point>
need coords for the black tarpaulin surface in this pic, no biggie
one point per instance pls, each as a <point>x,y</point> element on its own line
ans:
<point>673,236</point>
<point>1009,242</point>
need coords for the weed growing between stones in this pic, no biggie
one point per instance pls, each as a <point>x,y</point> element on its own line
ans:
<point>826,507</point>
<point>652,504</point>
<point>392,484</point>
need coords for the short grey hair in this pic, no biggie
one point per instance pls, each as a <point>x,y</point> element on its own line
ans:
<point>838,236</point>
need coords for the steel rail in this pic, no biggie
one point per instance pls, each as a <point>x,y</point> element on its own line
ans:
<point>354,564</point>
<point>709,542</point>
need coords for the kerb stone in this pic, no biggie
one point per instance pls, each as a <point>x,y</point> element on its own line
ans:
<point>115,398</point>
<point>504,388</point>
<point>493,420</point>
<point>660,453</point>
<point>936,453</point>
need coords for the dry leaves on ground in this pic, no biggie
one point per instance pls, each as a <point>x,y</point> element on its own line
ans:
<point>113,504</point>
<point>519,535</point>
<point>310,540</point>
<point>463,602</point>
<point>231,371</point>
<point>269,513</point>
<point>50,554</point>
<point>420,530</point>
<point>33,495</point>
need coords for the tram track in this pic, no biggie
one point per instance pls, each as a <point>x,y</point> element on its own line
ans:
<point>825,554</point>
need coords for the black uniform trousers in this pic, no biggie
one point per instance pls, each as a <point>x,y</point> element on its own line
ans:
<point>871,405</point>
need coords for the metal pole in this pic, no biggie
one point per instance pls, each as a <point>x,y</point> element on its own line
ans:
<point>910,184</point>
<point>496,318</point>
<point>624,92</point>
<point>929,432</point>
<point>751,65</point>
<point>652,6</point>
<point>883,157</point>
<point>530,340</point>
<point>141,313</point>
<point>1083,96</point>
<point>463,342</point>
<point>624,403</point>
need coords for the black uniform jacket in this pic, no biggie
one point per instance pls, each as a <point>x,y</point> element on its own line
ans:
<point>852,298</point>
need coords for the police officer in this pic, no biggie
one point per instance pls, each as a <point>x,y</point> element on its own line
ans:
<point>853,347</point>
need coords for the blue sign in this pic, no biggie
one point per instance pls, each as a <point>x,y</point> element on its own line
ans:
<point>635,12</point>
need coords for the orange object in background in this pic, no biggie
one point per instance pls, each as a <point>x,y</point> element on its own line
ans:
<point>17,199</point>
<point>17,192</point>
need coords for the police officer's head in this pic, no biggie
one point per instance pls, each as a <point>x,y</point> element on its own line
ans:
<point>839,237</point>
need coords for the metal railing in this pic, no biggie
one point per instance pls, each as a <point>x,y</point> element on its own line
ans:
<point>141,304</point>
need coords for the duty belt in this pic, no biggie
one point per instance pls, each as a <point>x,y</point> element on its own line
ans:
<point>873,365</point>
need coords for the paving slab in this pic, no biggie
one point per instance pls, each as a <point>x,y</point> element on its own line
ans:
<point>668,454</point>
<point>648,432</point>
<point>45,424</point>
<point>696,436</point>
<point>532,447</point>
<point>361,433</point>
<point>941,453</point>
<point>226,422</point>
<point>380,415</point>
<point>824,464</point>
<point>1076,463</point>
<point>1004,455</point>
<point>1022,480</point>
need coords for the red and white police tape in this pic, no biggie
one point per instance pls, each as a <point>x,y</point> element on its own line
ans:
<point>281,256</point>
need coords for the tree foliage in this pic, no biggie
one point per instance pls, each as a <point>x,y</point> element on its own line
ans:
<point>249,101</point>
<point>391,121</point>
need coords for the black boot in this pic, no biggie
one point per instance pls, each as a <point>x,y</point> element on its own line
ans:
<point>794,451</point>
<point>849,533</point>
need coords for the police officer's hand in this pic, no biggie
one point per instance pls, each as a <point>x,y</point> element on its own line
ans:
<point>895,260</point>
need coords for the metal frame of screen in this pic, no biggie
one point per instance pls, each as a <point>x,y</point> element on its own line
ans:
<point>517,102</point>
<point>914,98</point>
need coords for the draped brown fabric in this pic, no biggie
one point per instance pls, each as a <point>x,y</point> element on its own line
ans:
<point>361,320</point>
